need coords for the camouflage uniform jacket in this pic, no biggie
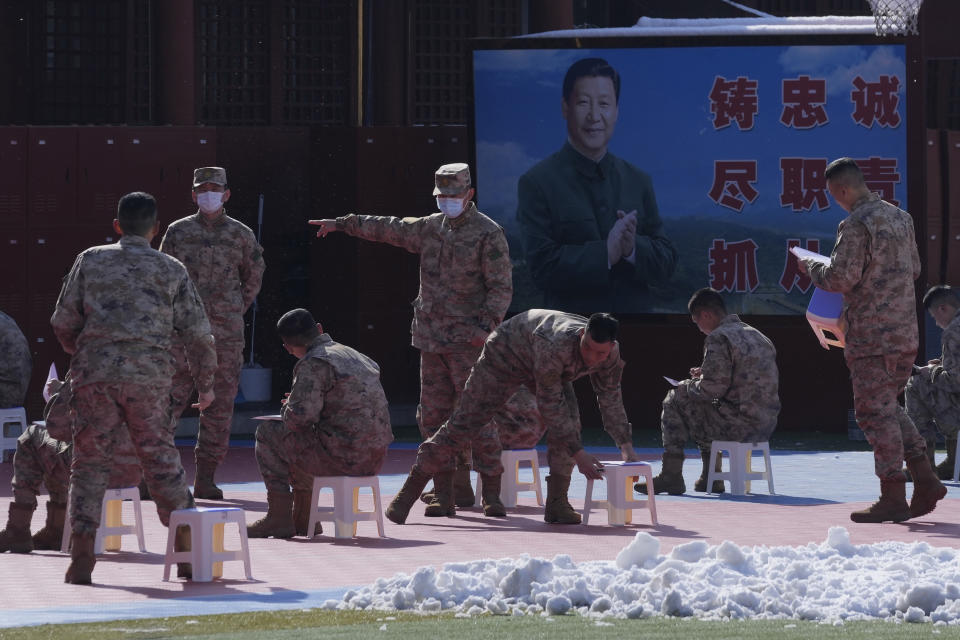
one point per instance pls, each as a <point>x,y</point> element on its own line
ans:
<point>874,264</point>
<point>541,350</point>
<point>15,360</point>
<point>57,414</point>
<point>946,375</point>
<point>225,263</point>
<point>118,308</point>
<point>465,273</point>
<point>336,391</point>
<point>739,374</point>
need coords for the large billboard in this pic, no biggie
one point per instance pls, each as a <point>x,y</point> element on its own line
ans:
<point>704,171</point>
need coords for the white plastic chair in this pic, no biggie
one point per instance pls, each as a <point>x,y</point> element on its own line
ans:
<point>510,483</point>
<point>13,422</point>
<point>345,512</point>
<point>207,554</point>
<point>740,470</point>
<point>620,503</point>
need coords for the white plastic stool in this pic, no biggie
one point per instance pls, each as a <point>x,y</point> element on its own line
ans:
<point>510,484</point>
<point>13,422</point>
<point>741,472</point>
<point>112,526</point>
<point>345,512</point>
<point>207,554</point>
<point>620,503</point>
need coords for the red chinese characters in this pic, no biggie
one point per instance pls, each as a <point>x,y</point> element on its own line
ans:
<point>733,266</point>
<point>791,272</point>
<point>733,182</point>
<point>876,101</point>
<point>803,102</point>
<point>881,176</point>
<point>733,101</point>
<point>803,183</point>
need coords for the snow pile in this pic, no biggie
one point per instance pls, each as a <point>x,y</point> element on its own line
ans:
<point>832,582</point>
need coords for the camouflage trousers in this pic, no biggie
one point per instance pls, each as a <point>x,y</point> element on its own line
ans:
<point>291,458</point>
<point>104,411</point>
<point>877,380</point>
<point>213,437</point>
<point>519,426</point>
<point>688,416</point>
<point>484,395</point>
<point>442,376</point>
<point>42,460</point>
<point>930,406</point>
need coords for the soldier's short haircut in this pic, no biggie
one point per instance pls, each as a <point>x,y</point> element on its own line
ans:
<point>297,328</point>
<point>940,294</point>
<point>707,298</point>
<point>844,171</point>
<point>602,327</point>
<point>590,68</point>
<point>137,213</point>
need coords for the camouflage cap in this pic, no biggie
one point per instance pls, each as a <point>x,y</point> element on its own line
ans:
<point>216,175</point>
<point>452,179</point>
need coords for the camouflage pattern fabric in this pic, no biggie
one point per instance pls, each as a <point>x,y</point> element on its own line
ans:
<point>933,394</point>
<point>118,308</point>
<point>226,264</point>
<point>465,273</point>
<point>15,363</point>
<point>874,264</point>
<point>736,396</point>
<point>42,459</point>
<point>540,350</point>
<point>442,376</point>
<point>876,382</point>
<point>102,410</point>
<point>213,436</point>
<point>336,420</point>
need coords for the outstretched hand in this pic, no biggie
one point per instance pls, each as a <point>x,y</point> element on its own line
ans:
<point>326,226</point>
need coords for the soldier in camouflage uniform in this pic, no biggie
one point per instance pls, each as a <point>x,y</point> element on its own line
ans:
<point>118,308</point>
<point>733,394</point>
<point>335,422</point>
<point>544,351</point>
<point>465,289</point>
<point>15,363</point>
<point>873,264</point>
<point>43,456</point>
<point>225,262</point>
<point>933,391</point>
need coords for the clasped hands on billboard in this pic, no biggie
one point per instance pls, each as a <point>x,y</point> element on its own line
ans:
<point>626,179</point>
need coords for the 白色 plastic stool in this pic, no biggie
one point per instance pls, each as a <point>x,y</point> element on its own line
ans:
<point>13,422</point>
<point>112,526</point>
<point>741,472</point>
<point>620,503</point>
<point>510,483</point>
<point>207,554</point>
<point>345,512</point>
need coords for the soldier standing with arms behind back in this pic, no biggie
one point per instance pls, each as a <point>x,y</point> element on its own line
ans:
<point>225,262</point>
<point>116,315</point>
<point>873,264</point>
<point>465,288</point>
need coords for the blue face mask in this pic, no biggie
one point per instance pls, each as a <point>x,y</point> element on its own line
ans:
<point>450,207</point>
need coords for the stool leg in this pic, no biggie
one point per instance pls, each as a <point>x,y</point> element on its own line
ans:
<point>245,549</point>
<point>588,501</point>
<point>766,461</point>
<point>378,507</point>
<point>200,552</point>
<point>114,513</point>
<point>217,570</point>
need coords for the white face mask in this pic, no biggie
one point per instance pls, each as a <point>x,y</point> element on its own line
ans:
<point>210,201</point>
<point>451,207</point>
